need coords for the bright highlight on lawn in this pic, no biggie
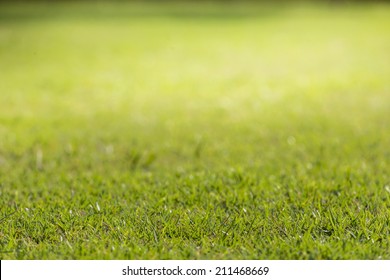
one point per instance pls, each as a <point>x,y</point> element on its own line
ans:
<point>183,131</point>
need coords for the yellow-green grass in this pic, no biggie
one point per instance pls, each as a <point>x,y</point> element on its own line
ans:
<point>183,131</point>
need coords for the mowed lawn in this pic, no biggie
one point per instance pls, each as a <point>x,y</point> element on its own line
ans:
<point>183,131</point>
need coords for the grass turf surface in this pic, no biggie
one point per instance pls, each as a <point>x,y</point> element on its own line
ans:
<point>135,131</point>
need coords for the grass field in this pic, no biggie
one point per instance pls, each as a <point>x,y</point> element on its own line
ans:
<point>182,131</point>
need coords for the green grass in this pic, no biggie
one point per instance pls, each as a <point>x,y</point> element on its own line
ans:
<point>135,131</point>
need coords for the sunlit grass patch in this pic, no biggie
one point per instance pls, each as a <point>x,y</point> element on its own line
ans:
<point>149,132</point>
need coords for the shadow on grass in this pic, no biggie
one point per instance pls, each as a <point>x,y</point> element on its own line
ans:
<point>25,11</point>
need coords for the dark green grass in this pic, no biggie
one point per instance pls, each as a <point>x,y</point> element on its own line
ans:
<point>135,131</point>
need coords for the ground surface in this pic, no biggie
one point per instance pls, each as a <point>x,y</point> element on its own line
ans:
<point>187,132</point>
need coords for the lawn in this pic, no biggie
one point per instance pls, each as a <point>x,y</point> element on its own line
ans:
<point>183,131</point>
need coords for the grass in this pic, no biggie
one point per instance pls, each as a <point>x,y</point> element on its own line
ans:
<point>136,131</point>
